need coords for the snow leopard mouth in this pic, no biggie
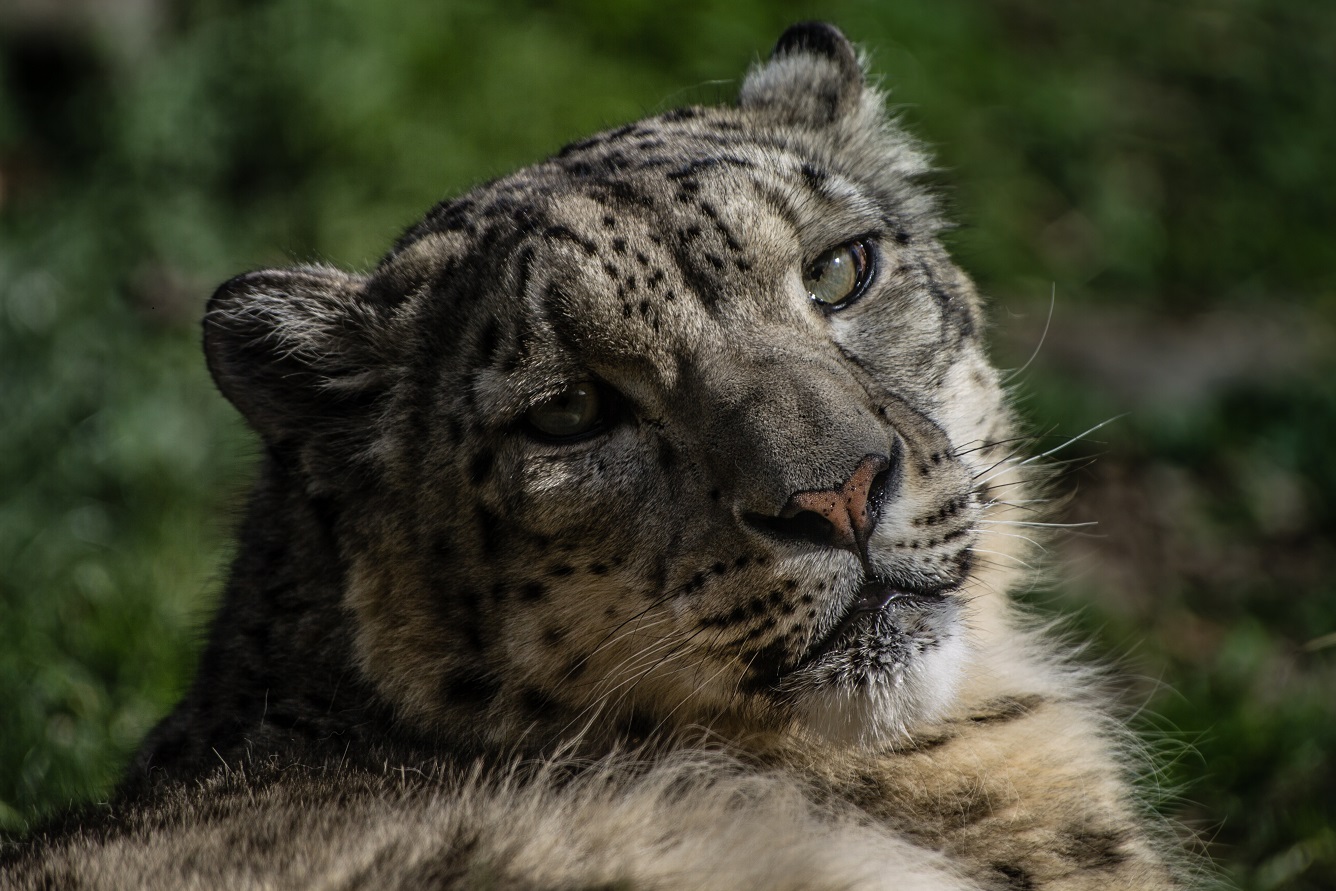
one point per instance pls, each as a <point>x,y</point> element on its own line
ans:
<point>875,598</point>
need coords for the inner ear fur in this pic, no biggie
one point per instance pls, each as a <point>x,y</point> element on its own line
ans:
<point>300,352</point>
<point>812,77</point>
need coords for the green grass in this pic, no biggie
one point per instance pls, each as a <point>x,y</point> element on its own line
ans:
<point>1161,167</point>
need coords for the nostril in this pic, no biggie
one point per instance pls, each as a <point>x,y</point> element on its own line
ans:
<point>876,495</point>
<point>806,526</point>
<point>842,517</point>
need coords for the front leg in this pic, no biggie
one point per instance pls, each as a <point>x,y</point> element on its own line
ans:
<point>1020,792</point>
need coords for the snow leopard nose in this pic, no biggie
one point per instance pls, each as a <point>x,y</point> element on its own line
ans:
<point>842,517</point>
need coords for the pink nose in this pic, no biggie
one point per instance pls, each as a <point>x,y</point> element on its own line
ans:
<point>850,512</point>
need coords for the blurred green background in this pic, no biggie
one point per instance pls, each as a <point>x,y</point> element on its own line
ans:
<point>1161,169</point>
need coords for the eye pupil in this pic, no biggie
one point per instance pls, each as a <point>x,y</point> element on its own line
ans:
<point>839,275</point>
<point>574,412</point>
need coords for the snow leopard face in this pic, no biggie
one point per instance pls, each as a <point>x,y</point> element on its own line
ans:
<point>689,425</point>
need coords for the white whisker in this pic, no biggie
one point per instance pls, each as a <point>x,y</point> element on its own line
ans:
<point>1035,524</point>
<point>1012,535</point>
<point>1052,301</point>
<point>1001,554</point>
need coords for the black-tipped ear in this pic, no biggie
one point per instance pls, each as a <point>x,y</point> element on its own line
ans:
<point>812,76</point>
<point>299,352</point>
<point>817,39</point>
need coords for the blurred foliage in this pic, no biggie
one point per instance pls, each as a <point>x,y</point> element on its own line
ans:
<point>1160,166</point>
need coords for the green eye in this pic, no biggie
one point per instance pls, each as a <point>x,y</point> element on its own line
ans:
<point>838,276</point>
<point>574,412</point>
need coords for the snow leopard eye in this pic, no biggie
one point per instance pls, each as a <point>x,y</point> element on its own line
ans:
<point>581,410</point>
<point>838,277</point>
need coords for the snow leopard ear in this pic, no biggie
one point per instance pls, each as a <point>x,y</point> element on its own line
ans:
<point>812,77</point>
<point>300,352</point>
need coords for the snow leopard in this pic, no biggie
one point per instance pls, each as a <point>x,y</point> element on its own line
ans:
<point>646,518</point>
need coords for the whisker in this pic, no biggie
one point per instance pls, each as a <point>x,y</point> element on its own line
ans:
<point>692,695</point>
<point>606,643</point>
<point>1052,301</point>
<point>986,444</point>
<point>1001,554</point>
<point>1077,438</point>
<point>1037,524</point>
<point>1012,535</point>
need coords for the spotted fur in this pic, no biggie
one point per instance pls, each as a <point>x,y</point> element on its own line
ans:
<point>772,575</point>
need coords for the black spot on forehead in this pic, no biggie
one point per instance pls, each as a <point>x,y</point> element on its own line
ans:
<point>619,192</point>
<point>681,114</point>
<point>568,234</point>
<point>702,242</point>
<point>814,176</point>
<point>699,165</point>
<point>694,264</point>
